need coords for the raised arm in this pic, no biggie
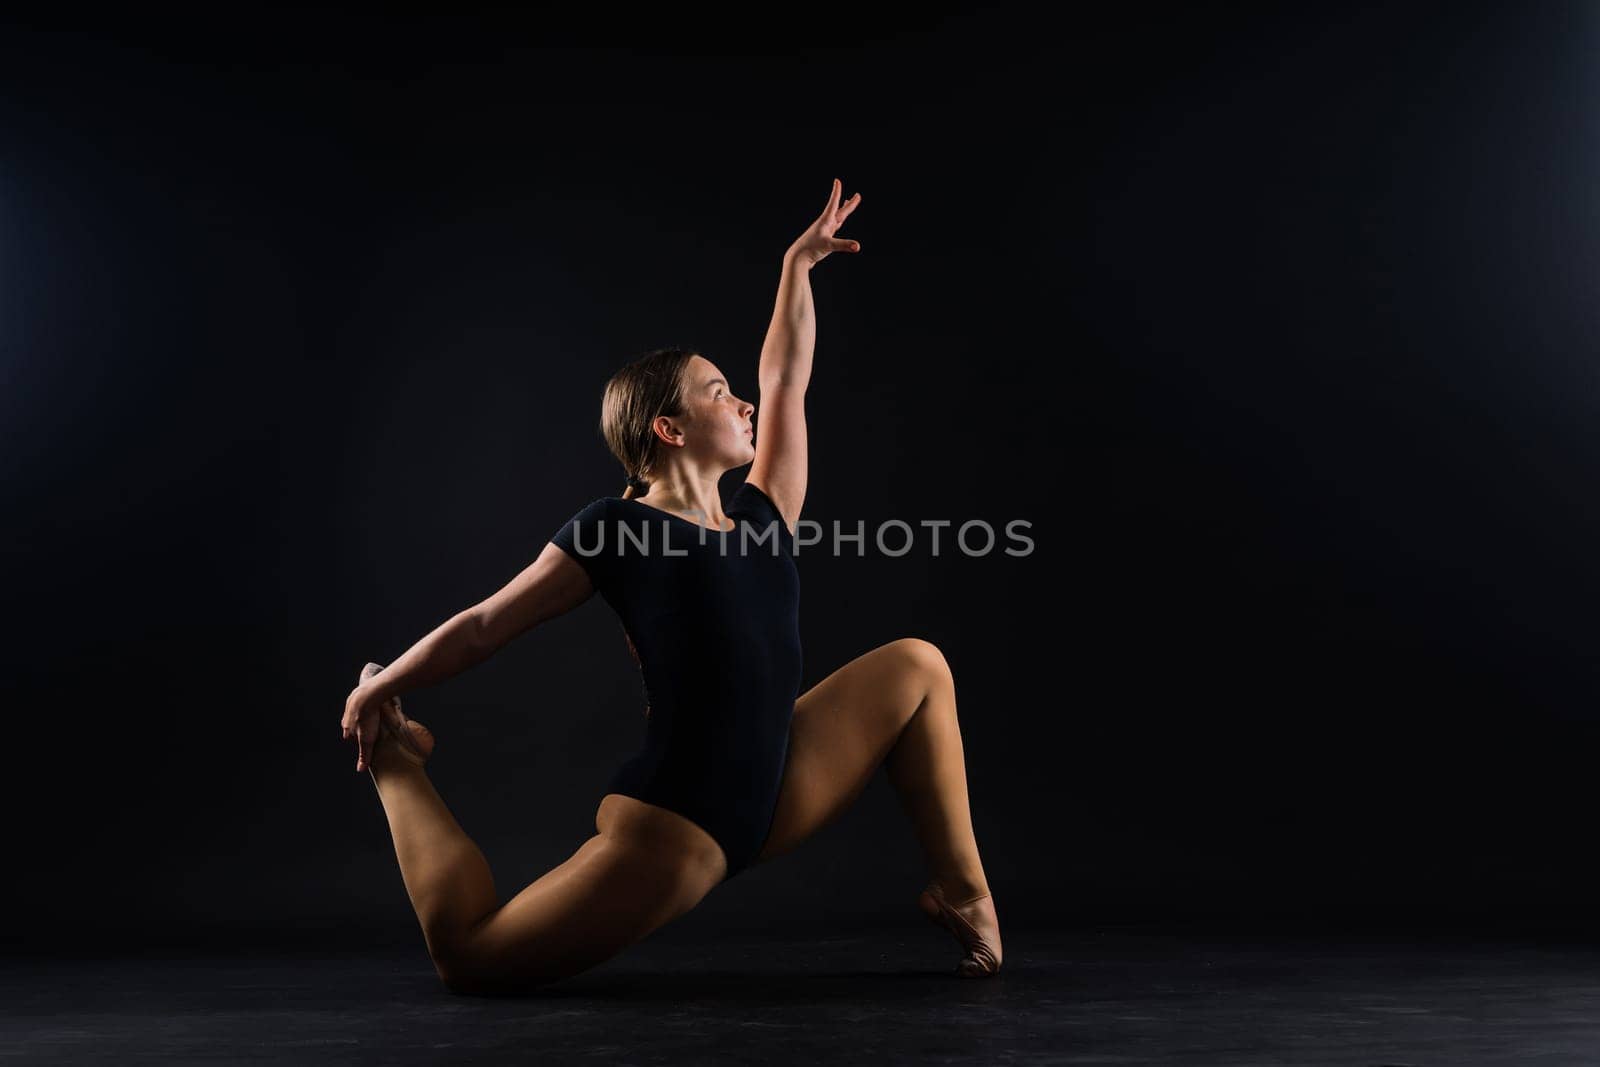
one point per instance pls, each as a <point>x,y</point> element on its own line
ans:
<point>779,469</point>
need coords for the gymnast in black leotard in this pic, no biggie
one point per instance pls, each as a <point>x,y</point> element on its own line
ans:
<point>713,618</point>
<point>738,765</point>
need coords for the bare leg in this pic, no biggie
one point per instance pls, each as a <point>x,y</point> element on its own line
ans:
<point>445,873</point>
<point>644,867</point>
<point>927,767</point>
<point>894,707</point>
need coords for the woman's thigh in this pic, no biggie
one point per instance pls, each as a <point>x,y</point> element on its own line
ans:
<point>644,868</point>
<point>843,728</point>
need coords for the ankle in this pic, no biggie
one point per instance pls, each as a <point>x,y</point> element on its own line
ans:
<point>958,889</point>
<point>392,764</point>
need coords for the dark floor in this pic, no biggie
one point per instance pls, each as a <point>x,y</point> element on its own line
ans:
<point>1112,997</point>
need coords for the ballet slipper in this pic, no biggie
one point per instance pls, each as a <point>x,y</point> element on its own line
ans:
<point>982,959</point>
<point>409,739</point>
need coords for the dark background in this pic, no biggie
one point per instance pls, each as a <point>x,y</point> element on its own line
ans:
<point>1277,326</point>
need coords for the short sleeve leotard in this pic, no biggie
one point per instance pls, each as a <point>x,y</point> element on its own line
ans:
<point>714,618</point>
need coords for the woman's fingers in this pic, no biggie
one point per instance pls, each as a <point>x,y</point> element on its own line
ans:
<point>362,728</point>
<point>833,198</point>
<point>819,240</point>
<point>352,715</point>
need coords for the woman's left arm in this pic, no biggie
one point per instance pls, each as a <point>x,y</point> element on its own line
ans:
<point>779,469</point>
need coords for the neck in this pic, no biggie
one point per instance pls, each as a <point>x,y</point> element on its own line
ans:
<point>700,499</point>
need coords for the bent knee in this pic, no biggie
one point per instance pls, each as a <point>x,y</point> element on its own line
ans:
<point>461,983</point>
<point>460,976</point>
<point>925,656</point>
<point>461,970</point>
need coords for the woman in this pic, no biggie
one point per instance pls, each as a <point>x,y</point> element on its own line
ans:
<point>735,768</point>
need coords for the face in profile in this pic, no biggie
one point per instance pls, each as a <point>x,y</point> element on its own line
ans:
<point>717,425</point>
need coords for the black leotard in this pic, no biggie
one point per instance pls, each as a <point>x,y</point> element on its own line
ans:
<point>715,622</point>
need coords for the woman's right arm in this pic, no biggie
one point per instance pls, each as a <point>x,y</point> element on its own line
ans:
<point>551,585</point>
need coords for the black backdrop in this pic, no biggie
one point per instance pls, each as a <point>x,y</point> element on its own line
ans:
<point>1276,325</point>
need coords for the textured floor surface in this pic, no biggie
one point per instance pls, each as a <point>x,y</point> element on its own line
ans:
<point>1114,997</point>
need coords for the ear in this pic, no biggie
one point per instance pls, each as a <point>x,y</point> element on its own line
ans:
<point>667,431</point>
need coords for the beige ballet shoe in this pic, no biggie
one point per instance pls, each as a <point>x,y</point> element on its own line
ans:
<point>409,739</point>
<point>982,959</point>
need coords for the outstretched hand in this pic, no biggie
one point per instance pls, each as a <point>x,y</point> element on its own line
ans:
<point>813,246</point>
